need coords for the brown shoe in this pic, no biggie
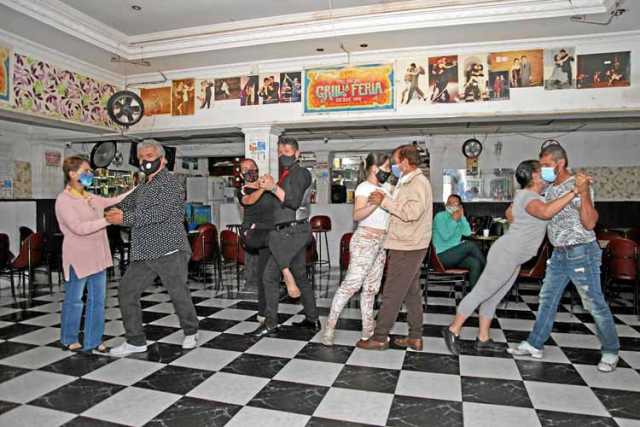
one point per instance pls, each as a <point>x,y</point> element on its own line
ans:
<point>372,344</point>
<point>412,343</point>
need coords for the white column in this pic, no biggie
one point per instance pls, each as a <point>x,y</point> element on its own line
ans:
<point>261,145</point>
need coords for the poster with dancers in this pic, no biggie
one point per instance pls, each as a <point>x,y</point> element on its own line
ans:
<point>411,81</point>
<point>604,70</point>
<point>269,92</point>
<point>474,78</point>
<point>291,87</point>
<point>183,97</point>
<point>499,89</point>
<point>560,68</point>
<point>156,100</point>
<point>227,89</point>
<point>443,79</point>
<point>249,90</point>
<point>6,76</point>
<point>204,100</point>
<point>525,67</point>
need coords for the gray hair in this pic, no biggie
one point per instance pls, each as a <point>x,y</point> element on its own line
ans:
<point>148,144</point>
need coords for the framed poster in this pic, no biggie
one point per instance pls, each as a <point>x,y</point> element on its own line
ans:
<point>6,75</point>
<point>349,88</point>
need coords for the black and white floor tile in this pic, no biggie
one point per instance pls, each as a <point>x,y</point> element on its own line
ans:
<point>293,380</point>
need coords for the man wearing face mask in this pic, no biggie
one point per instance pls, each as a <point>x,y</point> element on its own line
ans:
<point>159,247</point>
<point>408,237</point>
<point>290,237</point>
<point>577,257</point>
<point>257,222</point>
<point>449,227</point>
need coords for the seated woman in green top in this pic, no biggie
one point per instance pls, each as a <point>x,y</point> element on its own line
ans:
<point>449,226</point>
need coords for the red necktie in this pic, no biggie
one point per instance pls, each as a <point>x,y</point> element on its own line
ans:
<point>283,175</point>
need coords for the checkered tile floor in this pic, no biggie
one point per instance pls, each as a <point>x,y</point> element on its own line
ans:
<point>292,380</point>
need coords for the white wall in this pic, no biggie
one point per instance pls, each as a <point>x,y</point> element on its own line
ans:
<point>47,181</point>
<point>620,148</point>
<point>524,102</point>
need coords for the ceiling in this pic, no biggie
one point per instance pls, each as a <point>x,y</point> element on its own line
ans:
<point>164,15</point>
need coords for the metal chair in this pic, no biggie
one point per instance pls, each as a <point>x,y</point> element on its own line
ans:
<point>438,274</point>
<point>320,226</point>
<point>206,252</point>
<point>622,267</point>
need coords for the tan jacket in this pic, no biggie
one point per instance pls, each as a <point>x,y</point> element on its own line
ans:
<point>411,211</point>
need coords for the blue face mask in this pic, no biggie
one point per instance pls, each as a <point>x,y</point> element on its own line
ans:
<point>86,179</point>
<point>395,170</point>
<point>548,174</point>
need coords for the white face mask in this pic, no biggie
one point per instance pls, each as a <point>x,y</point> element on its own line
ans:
<point>452,209</point>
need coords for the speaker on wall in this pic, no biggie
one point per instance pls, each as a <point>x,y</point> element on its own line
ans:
<point>170,154</point>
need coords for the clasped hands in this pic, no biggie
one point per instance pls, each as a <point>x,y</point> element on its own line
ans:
<point>583,182</point>
<point>265,182</point>
<point>376,198</point>
<point>114,216</point>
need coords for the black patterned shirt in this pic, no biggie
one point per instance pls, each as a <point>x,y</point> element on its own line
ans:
<point>155,213</point>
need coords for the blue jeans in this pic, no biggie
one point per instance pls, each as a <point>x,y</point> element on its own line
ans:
<point>73,305</point>
<point>580,264</point>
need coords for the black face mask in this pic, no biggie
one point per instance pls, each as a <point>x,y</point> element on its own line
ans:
<point>382,176</point>
<point>287,161</point>
<point>250,176</point>
<point>150,167</point>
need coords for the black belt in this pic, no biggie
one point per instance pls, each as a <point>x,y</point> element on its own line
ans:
<point>284,225</point>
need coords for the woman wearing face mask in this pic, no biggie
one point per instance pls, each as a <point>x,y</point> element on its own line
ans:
<point>519,244</point>
<point>85,255</point>
<point>449,227</point>
<point>366,263</point>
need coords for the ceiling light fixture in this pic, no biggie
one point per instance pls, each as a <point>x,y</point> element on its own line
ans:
<point>136,7</point>
<point>616,12</point>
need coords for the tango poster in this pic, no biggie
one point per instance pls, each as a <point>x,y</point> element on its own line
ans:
<point>156,100</point>
<point>443,79</point>
<point>604,70</point>
<point>5,75</point>
<point>349,88</point>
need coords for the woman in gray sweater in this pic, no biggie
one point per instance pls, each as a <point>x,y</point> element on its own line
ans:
<point>520,243</point>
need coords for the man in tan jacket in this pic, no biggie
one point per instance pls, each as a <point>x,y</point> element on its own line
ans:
<point>408,238</point>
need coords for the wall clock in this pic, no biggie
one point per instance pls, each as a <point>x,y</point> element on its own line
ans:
<point>472,148</point>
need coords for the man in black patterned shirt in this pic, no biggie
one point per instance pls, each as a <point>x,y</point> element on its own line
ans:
<point>159,247</point>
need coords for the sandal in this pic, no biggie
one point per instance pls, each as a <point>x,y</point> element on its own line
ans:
<point>75,347</point>
<point>101,349</point>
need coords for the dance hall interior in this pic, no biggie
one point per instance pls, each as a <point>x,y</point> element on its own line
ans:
<point>411,213</point>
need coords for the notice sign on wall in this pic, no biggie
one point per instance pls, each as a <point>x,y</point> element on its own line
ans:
<point>352,88</point>
<point>52,158</point>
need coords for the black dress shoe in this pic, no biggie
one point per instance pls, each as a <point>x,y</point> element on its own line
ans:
<point>452,341</point>
<point>263,331</point>
<point>313,326</point>
<point>490,346</point>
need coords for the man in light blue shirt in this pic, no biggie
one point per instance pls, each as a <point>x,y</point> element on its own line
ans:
<point>449,226</point>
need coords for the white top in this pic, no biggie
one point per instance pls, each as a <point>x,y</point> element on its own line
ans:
<point>379,218</point>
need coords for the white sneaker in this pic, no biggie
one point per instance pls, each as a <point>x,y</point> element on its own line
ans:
<point>526,349</point>
<point>328,337</point>
<point>190,341</point>
<point>126,349</point>
<point>608,363</point>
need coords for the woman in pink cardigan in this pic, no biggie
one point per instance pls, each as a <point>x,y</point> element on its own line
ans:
<point>85,255</point>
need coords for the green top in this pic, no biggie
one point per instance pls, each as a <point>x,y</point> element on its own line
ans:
<point>447,232</point>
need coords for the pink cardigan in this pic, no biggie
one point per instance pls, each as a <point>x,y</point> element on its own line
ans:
<point>85,245</point>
